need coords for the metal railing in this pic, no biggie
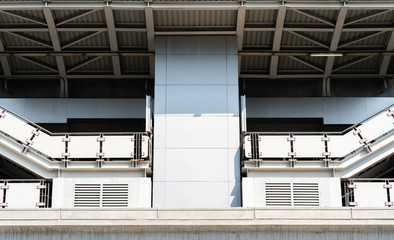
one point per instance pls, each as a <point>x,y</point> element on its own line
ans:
<point>319,146</point>
<point>368,192</point>
<point>36,193</point>
<point>74,146</point>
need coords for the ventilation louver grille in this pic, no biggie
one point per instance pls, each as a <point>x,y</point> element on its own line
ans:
<point>292,194</point>
<point>101,195</point>
<point>278,194</point>
<point>306,194</point>
<point>87,195</point>
<point>115,195</point>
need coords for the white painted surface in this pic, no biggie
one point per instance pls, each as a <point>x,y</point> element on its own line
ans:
<point>118,146</point>
<point>196,123</point>
<point>83,146</point>
<point>253,193</point>
<point>370,194</point>
<point>139,190</point>
<point>333,110</point>
<point>22,195</point>
<point>16,128</point>
<point>52,146</point>
<point>309,146</point>
<point>54,110</point>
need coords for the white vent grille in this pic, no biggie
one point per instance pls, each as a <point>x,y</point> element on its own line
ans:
<point>101,195</point>
<point>278,194</point>
<point>115,195</point>
<point>306,194</point>
<point>292,194</point>
<point>87,195</point>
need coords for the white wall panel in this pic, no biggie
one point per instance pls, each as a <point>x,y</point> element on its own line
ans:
<point>370,194</point>
<point>50,110</point>
<point>52,146</point>
<point>309,146</point>
<point>340,145</point>
<point>274,146</point>
<point>232,72</point>
<point>16,127</point>
<point>233,136</point>
<point>196,165</point>
<point>161,68</point>
<point>332,110</point>
<point>199,194</point>
<point>196,69</point>
<point>232,100</point>
<point>196,100</point>
<point>83,147</point>
<point>186,45</point>
<point>196,132</point>
<point>29,191</point>
<point>118,147</point>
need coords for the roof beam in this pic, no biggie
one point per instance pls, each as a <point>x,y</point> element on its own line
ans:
<point>280,21</point>
<point>55,43</point>
<point>352,62</point>
<point>83,63</point>
<point>366,16</point>
<point>307,63</point>
<point>39,63</point>
<point>317,42</point>
<point>113,40</point>
<point>336,36</point>
<point>386,59</point>
<point>150,34</point>
<point>241,15</point>
<point>80,39</point>
<point>24,17</point>
<point>309,76</point>
<point>4,60</point>
<point>75,16</point>
<point>31,39</point>
<point>358,39</point>
<point>314,16</point>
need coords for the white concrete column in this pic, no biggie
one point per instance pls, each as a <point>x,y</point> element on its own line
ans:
<point>196,122</point>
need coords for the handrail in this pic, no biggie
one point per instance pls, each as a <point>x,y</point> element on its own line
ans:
<point>64,133</point>
<point>320,145</point>
<point>334,133</point>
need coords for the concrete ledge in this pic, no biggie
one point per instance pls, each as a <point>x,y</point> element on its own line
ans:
<point>29,214</point>
<point>217,214</point>
<point>303,213</point>
<point>108,214</point>
<point>373,213</point>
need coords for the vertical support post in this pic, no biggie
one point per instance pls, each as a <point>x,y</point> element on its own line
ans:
<point>148,114</point>
<point>243,114</point>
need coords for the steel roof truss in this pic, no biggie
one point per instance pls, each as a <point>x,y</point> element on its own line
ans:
<point>350,63</point>
<point>24,17</point>
<point>366,16</point>
<point>307,63</point>
<point>75,16</point>
<point>83,63</point>
<point>39,63</point>
<point>80,38</point>
<point>113,41</point>
<point>280,21</point>
<point>31,39</point>
<point>359,38</point>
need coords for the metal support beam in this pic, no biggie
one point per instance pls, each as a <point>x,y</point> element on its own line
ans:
<point>113,40</point>
<point>57,48</point>
<point>75,16</point>
<point>280,21</point>
<point>80,39</point>
<point>307,63</point>
<point>386,59</point>
<point>358,39</point>
<point>31,39</point>
<point>352,62</point>
<point>150,34</point>
<point>308,38</point>
<point>24,17</point>
<point>314,16</point>
<point>4,60</point>
<point>333,47</point>
<point>83,63</point>
<point>39,63</point>
<point>366,16</point>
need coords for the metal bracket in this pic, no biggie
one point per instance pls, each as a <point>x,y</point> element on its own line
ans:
<point>389,204</point>
<point>353,204</point>
<point>66,139</point>
<point>65,154</point>
<point>325,139</point>
<point>356,131</point>
<point>292,154</point>
<point>352,186</point>
<point>389,186</point>
<point>3,204</point>
<point>41,187</point>
<point>101,139</point>
<point>40,204</point>
<point>291,139</point>
<point>326,154</point>
<point>390,113</point>
<point>2,114</point>
<point>100,154</point>
<point>35,133</point>
<point>5,187</point>
<point>29,141</point>
<point>364,140</point>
